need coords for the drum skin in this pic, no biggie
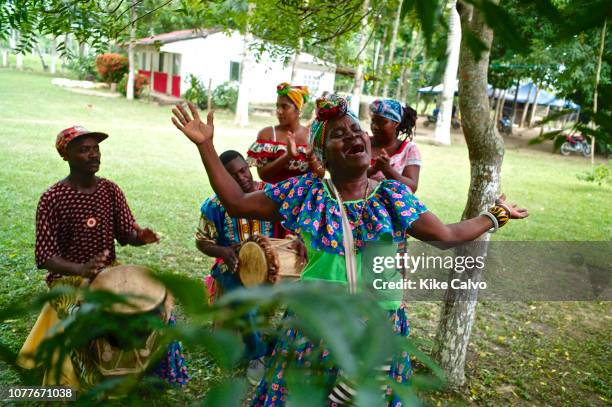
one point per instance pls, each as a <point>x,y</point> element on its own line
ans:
<point>145,296</point>
<point>267,260</point>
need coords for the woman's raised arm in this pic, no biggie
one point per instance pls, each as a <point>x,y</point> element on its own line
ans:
<point>254,205</point>
<point>429,228</point>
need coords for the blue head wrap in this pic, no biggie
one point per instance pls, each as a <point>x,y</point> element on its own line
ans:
<point>388,108</point>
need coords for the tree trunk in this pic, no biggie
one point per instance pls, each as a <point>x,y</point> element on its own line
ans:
<point>81,49</point>
<point>375,56</point>
<point>13,42</point>
<point>486,150</point>
<point>398,90</point>
<point>209,105</point>
<point>242,105</point>
<point>42,58</point>
<point>392,48</point>
<point>358,83</point>
<point>443,124</point>
<point>494,102</point>
<point>53,65</point>
<point>526,106</point>
<point>597,73</point>
<point>405,82</point>
<point>501,101</point>
<point>381,64</point>
<point>132,68</point>
<point>546,112</point>
<point>515,103</point>
<point>534,107</point>
<point>296,62</point>
<point>4,59</point>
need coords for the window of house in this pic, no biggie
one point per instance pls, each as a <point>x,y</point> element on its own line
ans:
<point>161,62</point>
<point>176,64</point>
<point>143,60</point>
<point>234,71</point>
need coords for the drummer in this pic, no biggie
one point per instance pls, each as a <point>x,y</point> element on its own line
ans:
<point>77,222</point>
<point>219,235</point>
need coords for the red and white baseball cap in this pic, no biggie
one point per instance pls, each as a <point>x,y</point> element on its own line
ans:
<point>67,135</point>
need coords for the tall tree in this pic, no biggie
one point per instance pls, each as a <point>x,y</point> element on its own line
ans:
<point>408,67</point>
<point>443,124</point>
<point>530,92</point>
<point>486,151</point>
<point>242,105</point>
<point>53,65</point>
<point>131,67</point>
<point>396,23</point>
<point>602,41</point>
<point>380,66</point>
<point>358,79</point>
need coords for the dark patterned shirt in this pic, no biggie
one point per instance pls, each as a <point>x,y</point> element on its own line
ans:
<point>77,226</point>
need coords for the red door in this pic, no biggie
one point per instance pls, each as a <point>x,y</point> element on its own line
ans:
<point>160,82</point>
<point>176,86</point>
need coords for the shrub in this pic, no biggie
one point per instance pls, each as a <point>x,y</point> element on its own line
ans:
<point>602,174</point>
<point>140,83</point>
<point>225,96</point>
<point>197,92</point>
<point>84,68</point>
<point>112,67</point>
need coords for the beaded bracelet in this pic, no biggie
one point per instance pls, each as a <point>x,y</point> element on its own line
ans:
<point>501,214</point>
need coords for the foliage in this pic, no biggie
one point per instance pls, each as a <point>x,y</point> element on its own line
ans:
<point>140,84</point>
<point>560,47</point>
<point>196,93</point>
<point>84,67</point>
<point>577,348</point>
<point>225,96</point>
<point>601,174</point>
<point>357,347</point>
<point>317,23</point>
<point>112,67</point>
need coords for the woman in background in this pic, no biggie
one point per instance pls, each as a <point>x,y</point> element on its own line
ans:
<point>281,152</point>
<point>394,154</point>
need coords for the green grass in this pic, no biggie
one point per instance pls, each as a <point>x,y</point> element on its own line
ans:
<point>163,179</point>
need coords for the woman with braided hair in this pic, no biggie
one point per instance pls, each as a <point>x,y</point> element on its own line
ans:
<point>394,154</point>
<point>281,152</point>
<point>336,218</point>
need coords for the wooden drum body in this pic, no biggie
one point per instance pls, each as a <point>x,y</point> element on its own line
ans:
<point>268,260</point>
<point>145,296</point>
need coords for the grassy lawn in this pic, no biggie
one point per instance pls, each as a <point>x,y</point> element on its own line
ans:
<point>521,353</point>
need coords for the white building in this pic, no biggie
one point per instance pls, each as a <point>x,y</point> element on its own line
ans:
<point>169,59</point>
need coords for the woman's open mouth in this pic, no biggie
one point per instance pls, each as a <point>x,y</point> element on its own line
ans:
<point>355,150</point>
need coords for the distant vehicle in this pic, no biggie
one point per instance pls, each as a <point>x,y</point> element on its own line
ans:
<point>576,143</point>
<point>504,125</point>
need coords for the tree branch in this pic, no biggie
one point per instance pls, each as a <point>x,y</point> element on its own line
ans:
<point>142,16</point>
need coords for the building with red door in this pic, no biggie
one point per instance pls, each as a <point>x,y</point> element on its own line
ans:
<point>215,57</point>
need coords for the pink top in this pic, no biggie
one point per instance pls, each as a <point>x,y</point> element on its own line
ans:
<point>407,154</point>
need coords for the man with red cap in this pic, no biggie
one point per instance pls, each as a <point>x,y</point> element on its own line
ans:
<point>77,222</point>
<point>79,218</point>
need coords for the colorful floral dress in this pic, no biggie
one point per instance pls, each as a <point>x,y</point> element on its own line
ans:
<point>263,152</point>
<point>308,208</point>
